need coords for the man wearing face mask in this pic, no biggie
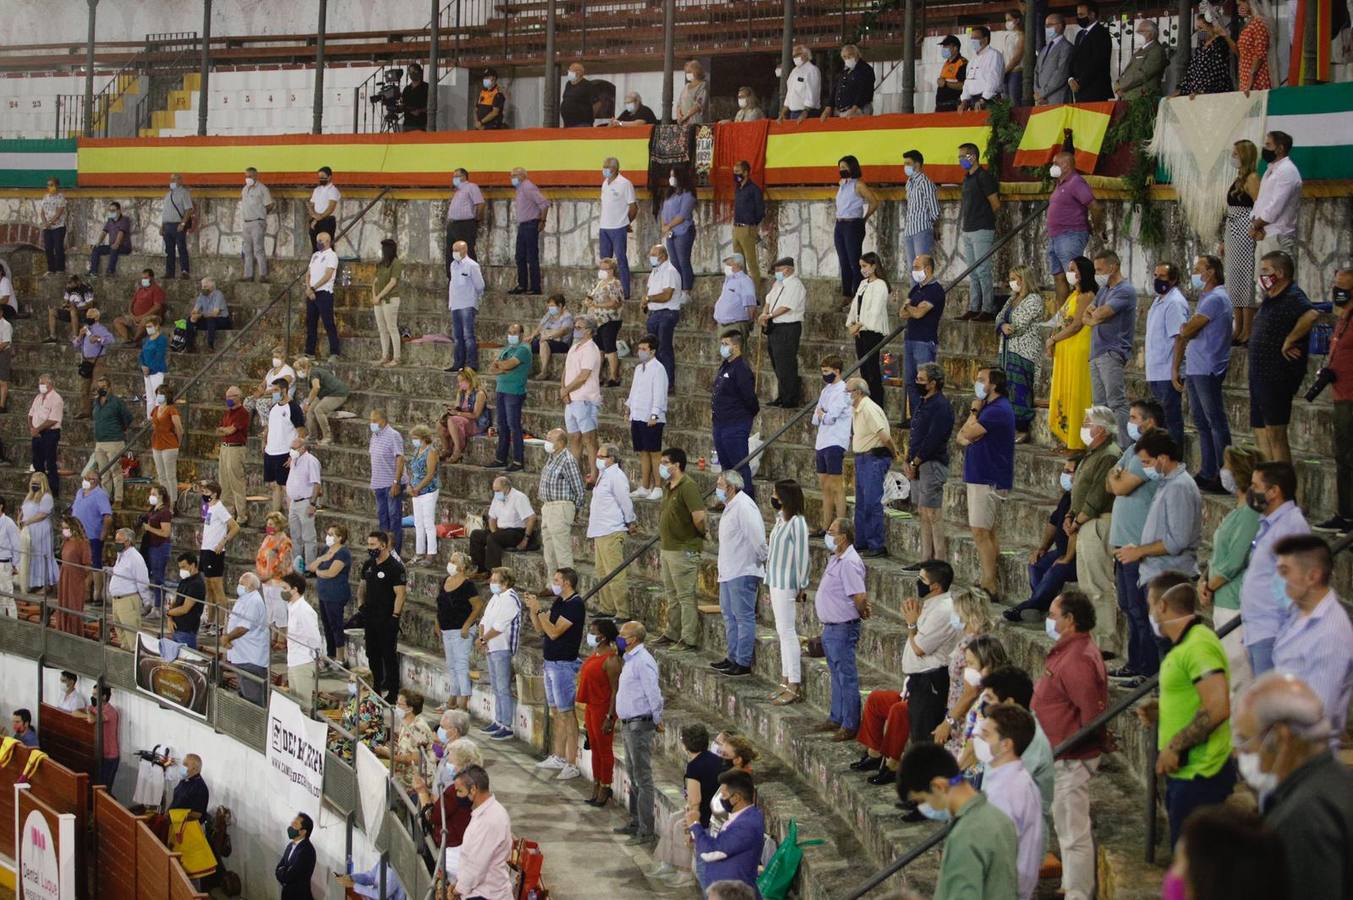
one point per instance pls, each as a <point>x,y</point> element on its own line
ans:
<point>92,507</point>
<point>561,493</point>
<point>218,529</point>
<point>1202,354</point>
<point>1072,212</point>
<point>927,465</point>
<point>1164,320</point>
<point>610,518</point>
<point>305,645</point>
<point>1340,364</point>
<point>484,851</point>
<point>1273,221</point>
<point>742,569</point>
<point>802,86</point>
<point>561,627</point>
<point>988,467</point>
<point>874,448</point>
<point>932,633</point>
<point>413,99</point>
<point>285,419</point>
<point>647,408</point>
<point>508,525</point>
<point>1143,73</point>
<point>981,850</point>
<point>663,299</point>
<point>1279,351</point>
<point>464,212</point>
<point>255,204</point>
<point>385,448</point>
<point>1193,738</point>
<point>1113,318</point>
<point>922,313</point>
<point>111,421</point>
<point>184,608</point>
<point>148,301</point>
<point>303,492</point>
<point>923,208</point>
<point>44,427</point>
<point>978,206</point>
<point>734,853</point>
<point>618,209</point>
<point>580,391</point>
<point>115,240</point>
<point>176,220</point>
<point>737,303</point>
<point>191,793</point>
<point>841,604</point>
<point>577,107</point>
<point>297,864</point>
<point>749,210</point>
<point>1054,63</point>
<point>1005,732</point>
<point>246,640</point>
<point>209,313</point>
<point>986,73</point>
<point>734,407</point>
<point>635,113</point>
<point>384,589</point>
<point>319,295</point>
<point>1282,741</point>
<point>949,87</point>
<point>639,709</point>
<point>92,341</point>
<point>1090,81</point>
<point>1132,495</point>
<point>128,587</point>
<point>782,320</point>
<point>853,94</point>
<point>465,290</point>
<point>531,209</point>
<point>323,206</point>
<point>681,528</point>
<point>233,431</point>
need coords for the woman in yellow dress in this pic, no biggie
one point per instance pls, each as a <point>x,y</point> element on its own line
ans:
<point>1069,347</point>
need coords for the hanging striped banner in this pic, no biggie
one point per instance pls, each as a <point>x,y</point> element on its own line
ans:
<point>554,157</point>
<point>29,163</point>
<point>1046,130</point>
<point>1320,120</point>
<point>807,152</point>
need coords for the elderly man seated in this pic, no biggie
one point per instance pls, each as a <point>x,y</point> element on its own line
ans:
<point>209,314</point>
<point>509,525</point>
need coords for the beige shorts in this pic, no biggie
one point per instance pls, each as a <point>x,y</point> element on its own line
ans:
<point>984,505</point>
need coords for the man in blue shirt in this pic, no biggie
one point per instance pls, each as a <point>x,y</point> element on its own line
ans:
<point>22,720</point>
<point>927,464</point>
<point>1113,316</point>
<point>737,303</point>
<point>1203,352</point>
<point>1262,593</point>
<point>95,512</point>
<point>749,208</point>
<point>638,707</point>
<point>1167,314</point>
<point>923,310</point>
<point>988,466</point>
<point>734,406</point>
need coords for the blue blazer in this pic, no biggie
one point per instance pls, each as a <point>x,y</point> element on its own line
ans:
<point>742,840</point>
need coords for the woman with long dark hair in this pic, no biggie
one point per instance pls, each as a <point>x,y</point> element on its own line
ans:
<point>867,321</point>
<point>855,203</point>
<point>677,223</point>
<point>598,680</point>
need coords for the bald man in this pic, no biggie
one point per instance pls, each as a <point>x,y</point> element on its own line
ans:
<point>561,494</point>
<point>176,220</point>
<point>319,295</point>
<point>531,208</point>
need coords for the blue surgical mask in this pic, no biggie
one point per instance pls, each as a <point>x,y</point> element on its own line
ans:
<point>1228,481</point>
<point>1134,430</point>
<point>1049,34</point>
<point>910,170</point>
<point>557,590</point>
<point>965,163</point>
<point>499,496</point>
<point>601,465</point>
<point>240,590</point>
<point>456,182</point>
<point>442,735</point>
<point>830,541</point>
<point>1050,626</point>
<point>721,494</point>
<point>1197,281</point>
<point>946,53</point>
<point>374,427</point>
<point>182,771</point>
<point>577,334</point>
<point>488,83</point>
<point>621,644</point>
<point>276,397</point>
<point>779,276</point>
<point>1065,481</point>
<point>979,390</point>
<point>352,689</point>
<point>513,340</point>
<point>1152,473</point>
<point>592,641</point>
<point>553,311</point>
<point>1280,593</point>
<point>664,471</point>
<point>496,588</point>
<point>930,812</point>
<point>607,173</point>
<point>516,182</point>
<point>725,351</point>
<point>652,260</point>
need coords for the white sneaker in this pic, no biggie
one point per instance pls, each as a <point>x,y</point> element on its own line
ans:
<point>662,871</point>
<point>638,494</point>
<point>551,762</point>
<point>569,772</point>
<point>655,494</point>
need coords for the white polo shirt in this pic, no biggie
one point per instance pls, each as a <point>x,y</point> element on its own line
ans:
<point>512,511</point>
<point>320,262</point>
<point>321,196</point>
<point>281,431</point>
<point>660,279</point>
<point>303,476</point>
<point>616,197</point>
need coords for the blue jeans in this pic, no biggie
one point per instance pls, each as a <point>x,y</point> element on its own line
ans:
<point>914,355</point>
<point>500,680</point>
<point>1209,417</point>
<point>321,308</point>
<point>737,602</point>
<point>1143,653</point>
<point>920,244</point>
<point>1064,248</point>
<point>186,638</point>
<point>614,243</point>
<point>662,324</point>
<point>1172,403</point>
<point>730,442</point>
<point>467,344</point>
<point>975,244</point>
<point>175,241</point>
<point>849,237</point>
<point>508,408</point>
<point>1261,656</point>
<point>1047,577</point>
<point>870,531</point>
<point>458,650</point>
<point>103,250</point>
<point>838,643</point>
<point>390,515</point>
<point>528,256</point>
<point>679,248</point>
<point>158,560</point>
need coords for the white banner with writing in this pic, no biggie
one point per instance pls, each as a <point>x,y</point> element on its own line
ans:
<point>295,756</point>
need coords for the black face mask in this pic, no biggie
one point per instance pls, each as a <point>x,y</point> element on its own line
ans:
<point>845,173</point>
<point>1256,500</point>
<point>103,392</point>
<point>372,553</point>
<point>829,377</point>
<point>1083,21</point>
<point>739,178</point>
<point>775,503</point>
<point>1268,155</point>
<point>1340,296</point>
<point>922,589</point>
<point>464,801</point>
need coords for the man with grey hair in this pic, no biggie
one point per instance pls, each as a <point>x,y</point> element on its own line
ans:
<point>246,639</point>
<point>1088,518</point>
<point>128,588</point>
<point>561,494</point>
<point>618,209</point>
<point>872,443</point>
<point>853,93</point>
<point>255,204</point>
<point>1144,71</point>
<point>580,390</point>
<point>1282,741</point>
<point>531,209</point>
<point>209,313</point>
<point>303,489</point>
<point>635,113</point>
<point>508,526</point>
<point>737,303</point>
<point>453,726</point>
<point>742,568</point>
<point>176,220</point>
<point>663,299</point>
<point>1054,63</point>
<point>611,517</point>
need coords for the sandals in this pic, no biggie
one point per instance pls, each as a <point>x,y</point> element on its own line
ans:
<point>786,695</point>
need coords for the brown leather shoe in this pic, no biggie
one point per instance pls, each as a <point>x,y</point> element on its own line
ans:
<point>842,735</point>
<point>827,725</point>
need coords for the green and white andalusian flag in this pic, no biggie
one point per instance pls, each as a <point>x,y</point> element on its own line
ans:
<point>1320,120</point>
<point>29,163</point>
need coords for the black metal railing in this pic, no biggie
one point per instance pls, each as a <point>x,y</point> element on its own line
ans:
<point>70,116</point>
<point>170,55</point>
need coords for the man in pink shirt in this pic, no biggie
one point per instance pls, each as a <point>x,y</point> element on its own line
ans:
<point>112,751</point>
<point>1072,212</point>
<point>44,427</point>
<point>580,389</point>
<point>483,871</point>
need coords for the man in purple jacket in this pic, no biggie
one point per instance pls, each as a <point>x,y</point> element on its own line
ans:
<point>735,852</point>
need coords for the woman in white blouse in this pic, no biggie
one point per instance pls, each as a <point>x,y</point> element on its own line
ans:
<point>867,322</point>
<point>787,579</point>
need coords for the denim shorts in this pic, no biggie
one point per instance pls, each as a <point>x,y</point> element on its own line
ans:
<point>830,460</point>
<point>1064,248</point>
<point>581,416</point>
<point>561,683</point>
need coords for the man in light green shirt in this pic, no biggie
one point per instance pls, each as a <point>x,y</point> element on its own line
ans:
<point>980,850</point>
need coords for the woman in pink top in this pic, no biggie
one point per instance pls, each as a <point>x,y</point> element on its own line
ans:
<point>112,751</point>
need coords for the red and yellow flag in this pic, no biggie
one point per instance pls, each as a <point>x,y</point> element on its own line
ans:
<point>1046,130</point>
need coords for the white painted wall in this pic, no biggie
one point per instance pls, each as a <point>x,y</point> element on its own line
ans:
<point>237,776</point>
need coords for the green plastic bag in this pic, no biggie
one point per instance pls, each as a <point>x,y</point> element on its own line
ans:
<point>778,876</point>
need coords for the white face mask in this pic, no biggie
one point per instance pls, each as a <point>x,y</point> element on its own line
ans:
<point>1055,171</point>
<point>458,256</point>
<point>1253,773</point>
<point>248,182</point>
<point>728,271</point>
<point>690,76</point>
<point>1086,437</point>
<point>572,77</point>
<point>1073,277</point>
<point>671,180</point>
<point>184,574</point>
<point>452,569</point>
<point>972,677</point>
<point>982,748</point>
<point>154,500</point>
<point>603,274</point>
<point>1014,288</point>
<point>42,388</point>
<point>277,362</point>
<point>330,540</point>
<point>742,103</point>
<point>850,62</point>
<point>918,275</point>
<point>65,532</point>
<point>88,485</point>
<point>1009,25</point>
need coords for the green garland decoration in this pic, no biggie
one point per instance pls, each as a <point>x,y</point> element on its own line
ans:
<point>1137,126</point>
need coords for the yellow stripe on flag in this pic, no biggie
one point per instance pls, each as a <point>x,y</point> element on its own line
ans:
<point>808,153</point>
<point>1045,132</point>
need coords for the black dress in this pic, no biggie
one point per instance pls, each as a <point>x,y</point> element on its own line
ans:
<point>1209,70</point>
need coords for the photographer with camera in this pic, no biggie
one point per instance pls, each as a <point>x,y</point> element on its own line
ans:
<point>414,100</point>
<point>1338,370</point>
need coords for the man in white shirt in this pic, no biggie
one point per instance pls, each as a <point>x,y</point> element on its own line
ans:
<point>833,420</point>
<point>303,490</point>
<point>284,418</point>
<point>511,520</point>
<point>218,529</point>
<point>304,642</point>
<point>986,72</point>
<point>647,405</point>
<point>932,632</point>
<point>618,209</point>
<point>319,295</point>
<point>782,318</point>
<point>323,207</point>
<point>742,568</point>
<point>246,639</point>
<point>484,852</point>
<point>1002,737</point>
<point>1273,221</point>
<point>463,294</point>
<point>609,519</point>
<point>128,588</point>
<point>663,301</point>
<point>9,558</point>
<point>803,87</point>
<point>70,700</point>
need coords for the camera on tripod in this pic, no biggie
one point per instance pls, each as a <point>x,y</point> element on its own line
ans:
<point>388,96</point>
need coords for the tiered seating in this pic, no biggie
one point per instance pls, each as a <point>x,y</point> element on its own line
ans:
<point>29,104</point>
<point>804,775</point>
<point>263,101</point>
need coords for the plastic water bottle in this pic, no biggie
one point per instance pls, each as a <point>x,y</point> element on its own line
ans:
<point>714,461</point>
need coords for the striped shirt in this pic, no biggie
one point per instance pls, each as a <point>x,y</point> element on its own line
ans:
<point>561,480</point>
<point>923,206</point>
<point>386,447</point>
<point>787,565</point>
<point>1318,648</point>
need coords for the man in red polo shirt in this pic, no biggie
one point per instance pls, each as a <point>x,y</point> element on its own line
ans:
<point>234,434</point>
<point>1074,690</point>
<point>147,302</point>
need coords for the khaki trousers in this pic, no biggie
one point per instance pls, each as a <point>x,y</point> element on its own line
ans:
<point>301,681</point>
<point>680,569</point>
<point>167,472</point>
<point>387,323</point>
<point>104,453</point>
<point>1071,818</point>
<point>127,611</point>
<point>609,550</point>
<point>231,475</point>
<point>1094,575</point>
<point>317,419</point>
<point>745,242</point>
<point>556,539</point>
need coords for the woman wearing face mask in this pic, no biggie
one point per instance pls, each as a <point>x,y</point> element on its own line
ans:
<point>974,615</point>
<point>1227,853</point>
<point>459,608</point>
<point>787,579</point>
<point>984,653</point>
<point>154,361</point>
<point>73,585</point>
<point>166,436</point>
<point>1252,49</point>
<point>1220,589</point>
<point>694,99</point>
<point>867,322</point>
<point>411,753</point>
<point>604,304</point>
<point>855,203</point>
<point>333,570</point>
<point>1017,325</point>
<point>554,333</point>
<point>1209,68</point>
<point>446,817</point>
<point>749,106</point>
<point>274,559</point>
<point>280,369</point>
<point>156,527</point>
<point>467,418</point>
<point>37,564</point>
<point>364,718</point>
<point>1069,348</point>
<point>498,639</point>
<point>676,222</point>
<point>1237,246</point>
<point>425,487</point>
<point>598,680</point>
<point>385,302</point>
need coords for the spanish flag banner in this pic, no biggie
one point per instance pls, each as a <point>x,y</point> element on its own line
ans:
<point>553,157</point>
<point>1045,133</point>
<point>806,152</point>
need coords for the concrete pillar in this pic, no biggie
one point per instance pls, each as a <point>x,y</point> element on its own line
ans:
<point>909,57</point>
<point>786,50</point>
<point>550,95</point>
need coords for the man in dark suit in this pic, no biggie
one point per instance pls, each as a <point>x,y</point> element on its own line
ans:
<point>1090,80</point>
<point>298,860</point>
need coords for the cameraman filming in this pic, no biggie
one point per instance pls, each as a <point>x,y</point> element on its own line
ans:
<point>414,100</point>
<point>1339,364</point>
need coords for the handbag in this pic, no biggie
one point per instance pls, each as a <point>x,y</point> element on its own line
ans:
<point>86,369</point>
<point>815,648</point>
<point>777,878</point>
